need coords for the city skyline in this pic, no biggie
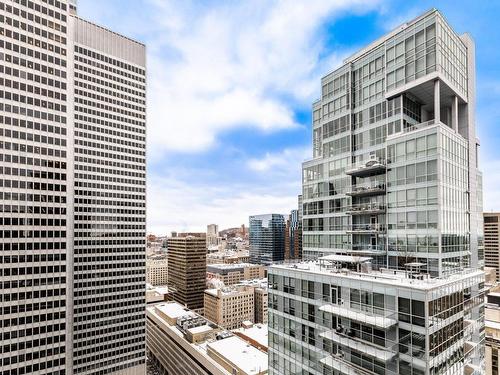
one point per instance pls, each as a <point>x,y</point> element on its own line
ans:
<point>249,164</point>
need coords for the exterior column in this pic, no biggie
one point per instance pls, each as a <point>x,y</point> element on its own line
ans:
<point>437,100</point>
<point>454,113</point>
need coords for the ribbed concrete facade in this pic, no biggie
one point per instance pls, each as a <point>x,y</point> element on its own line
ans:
<point>72,124</point>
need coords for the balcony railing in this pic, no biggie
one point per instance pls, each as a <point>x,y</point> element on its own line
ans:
<point>366,168</point>
<point>384,322</point>
<point>366,249</point>
<point>366,228</point>
<point>337,363</point>
<point>366,190</point>
<point>366,208</point>
<point>373,350</point>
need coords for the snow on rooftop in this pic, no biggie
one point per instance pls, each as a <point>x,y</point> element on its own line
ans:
<point>241,354</point>
<point>258,333</point>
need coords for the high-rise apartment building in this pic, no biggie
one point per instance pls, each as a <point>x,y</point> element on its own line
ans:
<point>492,241</point>
<point>293,236</point>
<point>187,269</point>
<point>267,238</point>
<point>72,121</point>
<point>392,217</point>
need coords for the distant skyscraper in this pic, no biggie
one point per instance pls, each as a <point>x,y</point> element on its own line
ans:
<point>267,238</point>
<point>187,270</point>
<point>212,235</point>
<point>72,123</point>
<point>392,217</point>
<point>492,241</point>
<point>293,236</point>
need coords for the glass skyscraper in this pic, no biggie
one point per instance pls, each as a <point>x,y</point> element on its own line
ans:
<point>392,226</point>
<point>267,238</point>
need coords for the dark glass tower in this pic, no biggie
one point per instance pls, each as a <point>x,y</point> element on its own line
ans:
<point>267,238</point>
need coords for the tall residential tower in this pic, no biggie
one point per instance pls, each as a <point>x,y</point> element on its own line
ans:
<point>72,133</point>
<point>392,221</point>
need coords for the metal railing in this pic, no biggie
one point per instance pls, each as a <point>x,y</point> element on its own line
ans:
<point>367,188</point>
<point>367,228</point>
<point>360,208</point>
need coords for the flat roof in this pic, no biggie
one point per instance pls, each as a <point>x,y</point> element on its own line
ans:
<point>241,354</point>
<point>173,310</point>
<point>258,332</point>
<point>345,258</point>
<point>200,329</point>
<point>225,266</point>
<point>228,290</point>
<point>385,276</point>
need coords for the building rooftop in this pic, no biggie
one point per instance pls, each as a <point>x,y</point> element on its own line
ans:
<point>231,266</point>
<point>383,276</point>
<point>216,346</point>
<point>257,333</point>
<point>241,354</point>
<point>255,283</point>
<point>228,290</point>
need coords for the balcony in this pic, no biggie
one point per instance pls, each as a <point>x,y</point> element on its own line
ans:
<point>373,350</point>
<point>367,168</point>
<point>366,249</point>
<point>337,363</point>
<point>359,316</point>
<point>366,229</point>
<point>366,190</point>
<point>366,209</point>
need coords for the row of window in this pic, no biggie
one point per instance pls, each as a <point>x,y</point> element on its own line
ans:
<point>33,89</point>
<point>109,68</point>
<point>28,63</point>
<point>110,60</point>
<point>32,77</point>
<point>23,111</point>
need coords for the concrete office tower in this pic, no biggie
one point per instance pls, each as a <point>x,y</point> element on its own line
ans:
<point>110,200</point>
<point>72,120</point>
<point>392,213</point>
<point>267,238</point>
<point>187,269</point>
<point>492,241</point>
<point>293,236</point>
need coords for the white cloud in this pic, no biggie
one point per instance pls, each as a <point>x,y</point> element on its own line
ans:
<point>234,64</point>
<point>183,206</point>
<point>288,160</point>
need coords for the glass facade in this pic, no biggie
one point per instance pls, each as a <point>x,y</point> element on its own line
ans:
<point>391,210</point>
<point>267,238</point>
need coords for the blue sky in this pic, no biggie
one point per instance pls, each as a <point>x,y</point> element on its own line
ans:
<point>230,87</point>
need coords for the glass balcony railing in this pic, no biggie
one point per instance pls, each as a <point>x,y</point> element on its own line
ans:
<point>366,208</point>
<point>343,338</point>
<point>366,228</point>
<point>381,321</point>
<point>366,190</point>
<point>366,168</point>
